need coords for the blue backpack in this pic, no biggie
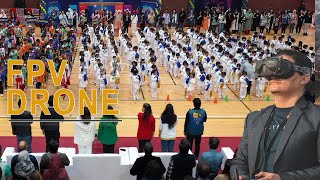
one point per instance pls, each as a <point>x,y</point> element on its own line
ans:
<point>196,119</point>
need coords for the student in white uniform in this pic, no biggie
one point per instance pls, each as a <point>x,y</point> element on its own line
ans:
<point>143,70</point>
<point>103,82</point>
<point>135,83</point>
<point>243,85</point>
<point>191,82</point>
<point>97,68</point>
<point>236,78</point>
<point>183,71</point>
<point>260,84</point>
<point>172,61</point>
<point>208,87</point>
<point>83,79</point>
<point>185,77</point>
<point>221,85</point>
<point>201,77</point>
<point>177,66</point>
<point>114,75</point>
<point>154,83</point>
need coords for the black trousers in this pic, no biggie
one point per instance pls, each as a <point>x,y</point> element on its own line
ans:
<point>197,144</point>
<point>51,135</point>
<point>1,87</point>
<point>249,87</point>
<point>108,148</point>
<point>141,144</point>
<point>125,28</point>
<point>284,27</point>
<point>276,28</point>
<point>261,29</point>
<point>298,28</point>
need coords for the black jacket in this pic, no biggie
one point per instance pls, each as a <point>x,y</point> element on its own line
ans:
<point>22,128</point>
<point>50,126</point>
<point>139,165</point>
<point>180,166</point>
<point>298,153</point>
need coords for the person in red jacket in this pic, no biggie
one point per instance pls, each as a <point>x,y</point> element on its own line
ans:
<point>146,126</point>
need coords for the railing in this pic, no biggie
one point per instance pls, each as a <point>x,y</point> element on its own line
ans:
<point>135,117</point>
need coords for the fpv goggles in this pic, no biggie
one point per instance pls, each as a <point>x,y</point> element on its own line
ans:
<point>278,68</point>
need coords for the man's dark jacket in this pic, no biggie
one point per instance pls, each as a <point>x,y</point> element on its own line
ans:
<point>298,153</point>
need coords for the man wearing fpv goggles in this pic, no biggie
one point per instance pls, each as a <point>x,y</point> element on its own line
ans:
<point>282,141</point>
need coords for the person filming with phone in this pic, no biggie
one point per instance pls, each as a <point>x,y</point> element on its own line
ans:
<point>282,141</point>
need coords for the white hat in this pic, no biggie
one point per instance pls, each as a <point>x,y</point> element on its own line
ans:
<point>48,46</point>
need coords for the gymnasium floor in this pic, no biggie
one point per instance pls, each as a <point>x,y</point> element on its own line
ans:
<point>225,118</point>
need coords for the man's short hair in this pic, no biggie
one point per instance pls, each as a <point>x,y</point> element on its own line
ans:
<point>184,146</point>
<point>148,148</point>
<point>214,142</point>
<point>196,103</point>
<point>299,58</point>
<point>50,101</point>
<point>53,146</point>
<point>203,170</point>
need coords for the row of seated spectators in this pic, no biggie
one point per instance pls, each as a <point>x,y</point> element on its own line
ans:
<point>25,166</point>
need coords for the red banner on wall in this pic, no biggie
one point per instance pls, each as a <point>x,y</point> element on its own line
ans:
<point>118,7</point>
<point>82,8</point>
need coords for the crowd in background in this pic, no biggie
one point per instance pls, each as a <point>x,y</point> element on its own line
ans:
<point>216,53</point>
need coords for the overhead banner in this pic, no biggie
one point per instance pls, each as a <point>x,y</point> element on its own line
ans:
<point>127,7</point>
<point>118,8</point>
<point>73,7</point>
<point>225,3</point>
<point>148,6</point>
<point>53,8</point>
<point>82,8</point>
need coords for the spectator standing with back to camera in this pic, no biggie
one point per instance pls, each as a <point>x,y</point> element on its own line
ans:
<point>281,142</point>
<point>193,125</point>
<point>107,133</point>
<point>167,129</point>
<point>84,132</point>
<point>22,129</point>
<point>51,130</point>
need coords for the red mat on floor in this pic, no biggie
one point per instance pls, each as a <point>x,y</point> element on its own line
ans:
<point>38,143</point>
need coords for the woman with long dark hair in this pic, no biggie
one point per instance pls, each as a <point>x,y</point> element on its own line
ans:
<point>146,126</point>
<point>84,132</point>
<point>167,129</point>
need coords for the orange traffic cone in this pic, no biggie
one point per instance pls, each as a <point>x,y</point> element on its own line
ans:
<point>190,98</point>
<point>215,101</point>
<point>168,98</point>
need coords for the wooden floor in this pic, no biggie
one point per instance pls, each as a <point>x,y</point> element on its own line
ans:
<point>225,118</point>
